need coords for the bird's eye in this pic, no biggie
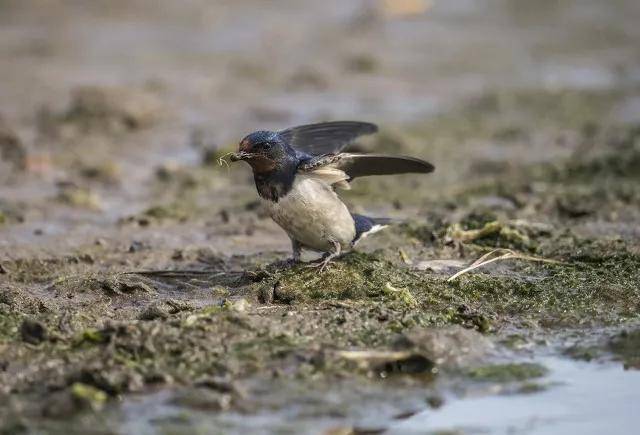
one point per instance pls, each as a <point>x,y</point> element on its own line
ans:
<point>266,146</point>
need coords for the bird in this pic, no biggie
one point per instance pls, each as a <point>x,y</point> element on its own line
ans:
<point>297,171</point>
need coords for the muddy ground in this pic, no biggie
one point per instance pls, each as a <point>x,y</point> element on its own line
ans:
<point>142,287</point>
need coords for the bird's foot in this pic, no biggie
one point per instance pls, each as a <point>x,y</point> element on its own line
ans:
<point>322,264</point>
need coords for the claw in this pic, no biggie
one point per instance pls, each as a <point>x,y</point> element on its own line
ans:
<point>321,265</point>
<point>324,265</point>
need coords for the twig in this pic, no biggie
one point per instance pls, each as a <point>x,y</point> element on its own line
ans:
<point>507,254</point>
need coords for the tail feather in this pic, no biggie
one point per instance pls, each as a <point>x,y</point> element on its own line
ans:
<point>366,225</point>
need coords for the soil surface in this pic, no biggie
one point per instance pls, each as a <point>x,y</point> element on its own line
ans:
<point>144,290</point>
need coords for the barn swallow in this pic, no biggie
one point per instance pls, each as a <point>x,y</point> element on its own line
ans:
<point>296,172</point>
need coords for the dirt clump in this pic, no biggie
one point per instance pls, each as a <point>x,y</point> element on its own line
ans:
<point>113,108</point>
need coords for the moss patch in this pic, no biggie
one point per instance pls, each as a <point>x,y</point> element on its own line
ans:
<point>591,283</point>
<point>9,325</point>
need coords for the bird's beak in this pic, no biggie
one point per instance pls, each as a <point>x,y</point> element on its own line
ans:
<point>241,155</point>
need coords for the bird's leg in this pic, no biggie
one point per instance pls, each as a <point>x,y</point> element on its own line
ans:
<point>326,259</point>
<point>296,249</point>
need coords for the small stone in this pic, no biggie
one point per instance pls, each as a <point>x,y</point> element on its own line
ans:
<point>11,148</point>
<point>266,294</point>
<point>239,306</point>
<point>33,331</point>
<point>225,216</point>
<point>155,310</point>
<point>87,258</point>
<point>203,399</point>
<point>106,172</point>
<point>222,385</point>
<point>137,246</point>
<point>159,378</point>
<point>163,309</point>
<point>452,346</point>
<point>435,402</point>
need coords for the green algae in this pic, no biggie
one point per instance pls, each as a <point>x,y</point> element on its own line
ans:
<point>401,294</point>
<point>574,290</point>
<point>512,372</point>
<point>493,233</point>
<point>175,211</point>
<point>92,335</point>
<point>88,396</point>
<point>583,353</point>
<point>355,276</point>
<point>532,388</point>
<point>9,325</point>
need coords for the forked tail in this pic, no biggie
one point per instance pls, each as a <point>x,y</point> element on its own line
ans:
<point>366,225</point>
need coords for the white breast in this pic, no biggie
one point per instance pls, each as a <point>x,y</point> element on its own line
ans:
<point>313,214</point>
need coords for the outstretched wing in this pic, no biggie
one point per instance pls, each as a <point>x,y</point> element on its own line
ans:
<point>360,165</point>
<point>325,137</point>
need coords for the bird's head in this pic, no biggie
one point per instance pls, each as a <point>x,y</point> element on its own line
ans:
<point>265,151</point>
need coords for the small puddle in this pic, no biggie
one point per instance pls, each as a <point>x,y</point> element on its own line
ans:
<point>584,398</point>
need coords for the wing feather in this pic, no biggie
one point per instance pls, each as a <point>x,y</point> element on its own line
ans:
<point>360,165</point>
<point>326,137</point>
<point>331,175</point>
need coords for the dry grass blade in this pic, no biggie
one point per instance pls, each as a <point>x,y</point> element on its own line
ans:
<point>222,159</point>
<point>505,254</point>
<point>360,355</point>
